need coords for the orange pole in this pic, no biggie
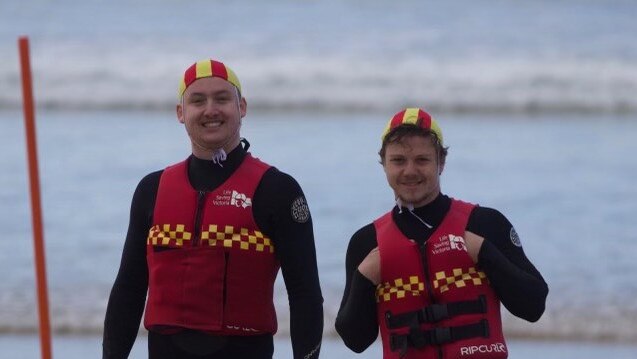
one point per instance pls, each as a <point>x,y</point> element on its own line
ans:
<point>36,209</point>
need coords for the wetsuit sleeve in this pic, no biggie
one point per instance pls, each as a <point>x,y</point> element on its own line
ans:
<point>281,211</point>
<point>128,295</point>
<point>518,284</point>
<point>356,321</point>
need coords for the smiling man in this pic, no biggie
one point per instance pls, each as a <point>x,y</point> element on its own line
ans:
<point>206,239</point>
<point>432,272</point>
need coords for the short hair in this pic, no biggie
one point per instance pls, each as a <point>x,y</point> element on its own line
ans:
<point>399,133</point>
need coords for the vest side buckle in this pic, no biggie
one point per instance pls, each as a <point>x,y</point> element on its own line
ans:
<point>417,338</point>
<point>440,335</point>
<point>434,313</point>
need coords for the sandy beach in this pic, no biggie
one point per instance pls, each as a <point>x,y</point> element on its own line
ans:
<point>82,347</point>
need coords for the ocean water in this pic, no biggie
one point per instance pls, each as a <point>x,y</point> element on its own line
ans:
<point>566,183</point>
<point>537,101</point>
<point>465,56</point>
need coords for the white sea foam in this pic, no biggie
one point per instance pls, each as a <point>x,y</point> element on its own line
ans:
<point>466,56</point>
<point>82,78</point>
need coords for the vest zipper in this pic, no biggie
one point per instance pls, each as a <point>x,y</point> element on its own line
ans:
<point>425,266</point>
<point>225,278</point>
<point>430,290</point>
<point>201,200</point>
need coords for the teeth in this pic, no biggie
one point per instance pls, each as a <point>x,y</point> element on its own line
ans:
<point>212,124</point>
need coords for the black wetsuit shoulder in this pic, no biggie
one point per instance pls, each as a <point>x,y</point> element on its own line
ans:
<point>518,284</point>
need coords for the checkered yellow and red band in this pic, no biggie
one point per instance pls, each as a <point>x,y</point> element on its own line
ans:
<point>458,278</point>
<point>242,238</point>
<point>207,68</point>
<point>413,116</point>
<point>215,236</point>
<point>167,235</point>
<point>399,288</point>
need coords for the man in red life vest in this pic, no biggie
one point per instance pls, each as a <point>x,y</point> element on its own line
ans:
<point>206,239</point>
<point>431,273</point>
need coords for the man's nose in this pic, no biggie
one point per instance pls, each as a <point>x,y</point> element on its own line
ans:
<point>211,108</point>
<point>410,168</point>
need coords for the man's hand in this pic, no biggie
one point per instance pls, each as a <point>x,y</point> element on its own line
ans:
<point>473,242</point>
<point>370,266</point>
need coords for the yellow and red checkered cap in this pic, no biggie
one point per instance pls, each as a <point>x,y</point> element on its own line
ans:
<point>413,116</point>
<point>207,68</point>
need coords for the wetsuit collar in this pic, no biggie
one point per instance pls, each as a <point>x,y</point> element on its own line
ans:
<point>418,222</point>
<point>206,175</point>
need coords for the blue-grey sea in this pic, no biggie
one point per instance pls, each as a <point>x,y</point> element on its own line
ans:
<point>537,101</point>
<point>566,182</point>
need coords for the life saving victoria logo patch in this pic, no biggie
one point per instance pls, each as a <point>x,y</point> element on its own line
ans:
<point>232,198</point>
<point>300,210</point>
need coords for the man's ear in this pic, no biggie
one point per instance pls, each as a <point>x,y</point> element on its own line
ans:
<point>180,113</point>
<point>243,107</point>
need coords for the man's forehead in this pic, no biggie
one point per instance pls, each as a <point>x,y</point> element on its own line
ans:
<point>210,85</point>
<point>412,145</point>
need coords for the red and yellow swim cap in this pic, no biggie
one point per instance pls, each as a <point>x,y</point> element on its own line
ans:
<point>207,68</point>
<point>413,116</point>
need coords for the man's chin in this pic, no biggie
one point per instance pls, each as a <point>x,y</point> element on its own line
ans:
<point>416,200</point>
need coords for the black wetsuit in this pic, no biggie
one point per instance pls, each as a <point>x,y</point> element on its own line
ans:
<point>294,242</point>
<point>517,283</point>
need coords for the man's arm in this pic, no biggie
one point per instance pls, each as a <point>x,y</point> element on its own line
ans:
<point>518,284</point>
<point>356,321</point>
<point>128,295</point>
<point>281,211</point>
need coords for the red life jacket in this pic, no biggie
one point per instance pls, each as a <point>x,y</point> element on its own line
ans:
<point>210,267</point>
<point>432,300</point>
